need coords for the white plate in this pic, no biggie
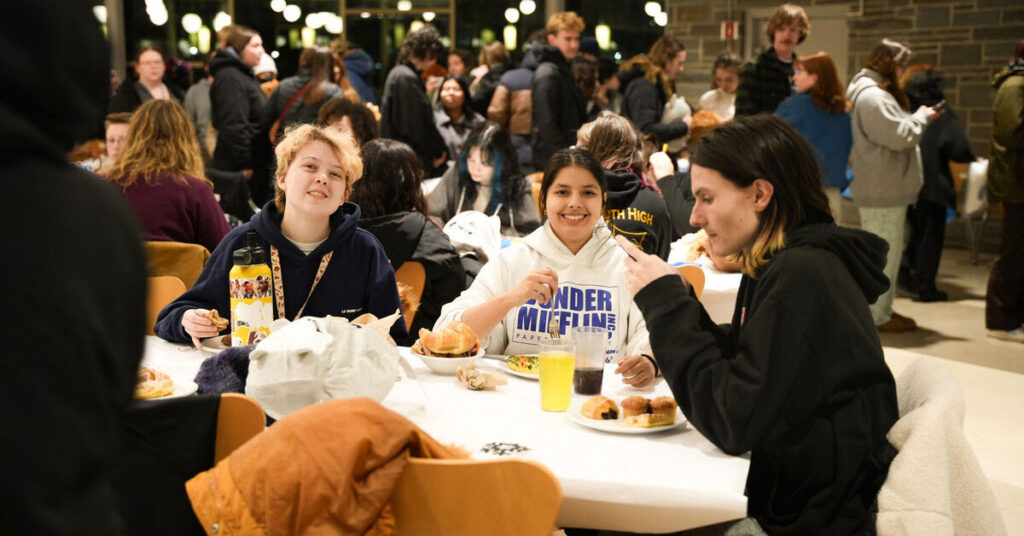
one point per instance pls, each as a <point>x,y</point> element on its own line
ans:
<point>616,426</point>
<point>180,389</point>
<point>213,345</point>
<point>505,368</point>
<point>447,366</point>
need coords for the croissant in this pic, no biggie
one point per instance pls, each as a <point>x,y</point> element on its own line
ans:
<point>455,338</point>
<point>600,407</point>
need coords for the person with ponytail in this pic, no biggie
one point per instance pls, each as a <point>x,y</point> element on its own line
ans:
<point>818,111</point>
<point>886,161</point>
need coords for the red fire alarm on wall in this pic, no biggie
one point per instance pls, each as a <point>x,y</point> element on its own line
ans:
<point>729,30</point>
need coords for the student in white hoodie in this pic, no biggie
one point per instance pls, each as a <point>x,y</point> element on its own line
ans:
<point>572,254</point>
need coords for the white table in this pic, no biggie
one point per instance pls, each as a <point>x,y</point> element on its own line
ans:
<point>720,288</point>
<point>645,483</point>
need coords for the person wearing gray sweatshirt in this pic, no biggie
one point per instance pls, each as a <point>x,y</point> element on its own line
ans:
<point>886,161</point>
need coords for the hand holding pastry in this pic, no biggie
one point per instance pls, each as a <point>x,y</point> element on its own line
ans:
<point>199,326</point>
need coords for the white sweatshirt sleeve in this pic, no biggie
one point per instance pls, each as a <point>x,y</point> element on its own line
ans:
<point>490,282</point>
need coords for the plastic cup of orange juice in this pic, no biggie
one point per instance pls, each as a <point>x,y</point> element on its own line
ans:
<point>557,361</point>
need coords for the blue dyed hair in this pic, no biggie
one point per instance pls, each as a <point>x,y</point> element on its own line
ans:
<point>495,145</point>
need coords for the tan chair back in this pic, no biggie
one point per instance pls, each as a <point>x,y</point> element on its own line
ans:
<point>162,290</point>
<point>412,277</point>
<point>238,420</point>
<point>182,260</point>
<point>693,275</point>
<point>476,497</point>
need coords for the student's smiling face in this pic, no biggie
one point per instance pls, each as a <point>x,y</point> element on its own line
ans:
<point>315,183</point>
<point>573,206</point>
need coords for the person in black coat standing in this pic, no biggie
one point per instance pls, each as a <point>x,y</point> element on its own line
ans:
<point>73,290</point>
<point>646,82</point>
<point>558,106</point>
<point>395,211</point>
<point>943,140</point>
<point>237,101</point>
<point>150,68</point>
<point>406,113</point>
<point>766,79</point>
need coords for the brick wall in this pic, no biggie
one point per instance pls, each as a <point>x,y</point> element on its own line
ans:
<point>966,40</point>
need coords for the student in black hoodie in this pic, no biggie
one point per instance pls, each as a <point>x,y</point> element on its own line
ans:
<point>558,106</point>
<point>633,210</point>
<point>798,377</point>
<point>394,210</point>
<point>73,290</point>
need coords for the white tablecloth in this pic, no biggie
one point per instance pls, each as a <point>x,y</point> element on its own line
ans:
<point>647,483</point>
<point>720,288</point>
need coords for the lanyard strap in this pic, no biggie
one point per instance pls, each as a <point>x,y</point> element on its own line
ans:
<point>275,268</point>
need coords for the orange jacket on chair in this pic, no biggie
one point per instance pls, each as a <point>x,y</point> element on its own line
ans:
<point>326,469</point>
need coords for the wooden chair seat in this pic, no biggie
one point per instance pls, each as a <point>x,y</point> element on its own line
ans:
<point>162,290</point>
<point>476,497</point>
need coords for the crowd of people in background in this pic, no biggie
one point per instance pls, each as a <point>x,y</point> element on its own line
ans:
<point>873,139</point>
<point>590,170</point>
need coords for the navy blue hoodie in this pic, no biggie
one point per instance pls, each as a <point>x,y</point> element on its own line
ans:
<point>359,278</point>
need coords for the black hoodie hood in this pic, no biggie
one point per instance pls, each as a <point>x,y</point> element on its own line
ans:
<point>622,187</point>
<point>343,226</point>
<point>224,59</point>
<point>862,253</point>
<point>549,53</point>
<point>530,58</point>
<point>56,80</point>
<point>399,233</point>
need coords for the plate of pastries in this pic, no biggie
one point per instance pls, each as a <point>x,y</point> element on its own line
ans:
<point>153,383</point>
<point>631,415</point>
<point>447,349</point>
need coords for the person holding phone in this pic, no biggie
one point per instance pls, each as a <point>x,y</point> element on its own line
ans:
<point>798,377</point>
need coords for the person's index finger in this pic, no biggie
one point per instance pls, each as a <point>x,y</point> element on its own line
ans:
<point>631,250</point>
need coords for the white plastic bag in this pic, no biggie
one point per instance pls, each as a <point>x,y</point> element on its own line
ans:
<point>675,108</point>
<point>313,360</point>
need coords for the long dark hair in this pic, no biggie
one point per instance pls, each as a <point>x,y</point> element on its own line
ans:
<point>495,146</point>
<point>467,109</point>
<point>320,61</point>
<point>571,157</point>
<point>772,151</point>
<point>391,180</point>
<point>886,58</point>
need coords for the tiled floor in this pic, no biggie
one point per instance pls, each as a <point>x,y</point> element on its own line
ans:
<point>990,372</point>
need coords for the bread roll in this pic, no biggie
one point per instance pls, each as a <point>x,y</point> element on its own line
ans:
<point>600,407</point>
<point>635,405</point>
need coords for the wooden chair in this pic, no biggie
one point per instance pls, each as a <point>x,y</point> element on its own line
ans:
<point>238,420</point>
<point>182,260</point>
<point>414,277</point>
<point>693,275</point>
<point>535,191</point>
<point>476,497</point>
<point>162,290</point>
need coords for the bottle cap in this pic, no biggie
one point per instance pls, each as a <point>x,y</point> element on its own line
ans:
<point>251,254</point>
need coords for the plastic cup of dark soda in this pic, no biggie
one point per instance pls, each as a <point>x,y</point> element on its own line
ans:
<point>591,343</point>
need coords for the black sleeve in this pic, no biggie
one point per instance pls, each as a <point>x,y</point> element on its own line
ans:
<point>747,92</point>
<point>954,143</point>
<point>548,135</point>
<point>646,116</point>
<point>231,118</point>
<point>416,117</point>
<point>446,278</point>
<point>124,99</point>
<point>732,389</point>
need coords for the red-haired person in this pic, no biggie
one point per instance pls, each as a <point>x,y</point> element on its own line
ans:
<point>818,111</point>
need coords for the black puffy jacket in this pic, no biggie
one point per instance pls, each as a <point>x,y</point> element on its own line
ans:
<point>558,106</point>
<point>643,102</point>
<point>237,101</point>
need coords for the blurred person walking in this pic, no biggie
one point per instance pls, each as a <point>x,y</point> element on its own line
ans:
<point>648,82</point>
<point>1004,300</point>
<point>886,161</point>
